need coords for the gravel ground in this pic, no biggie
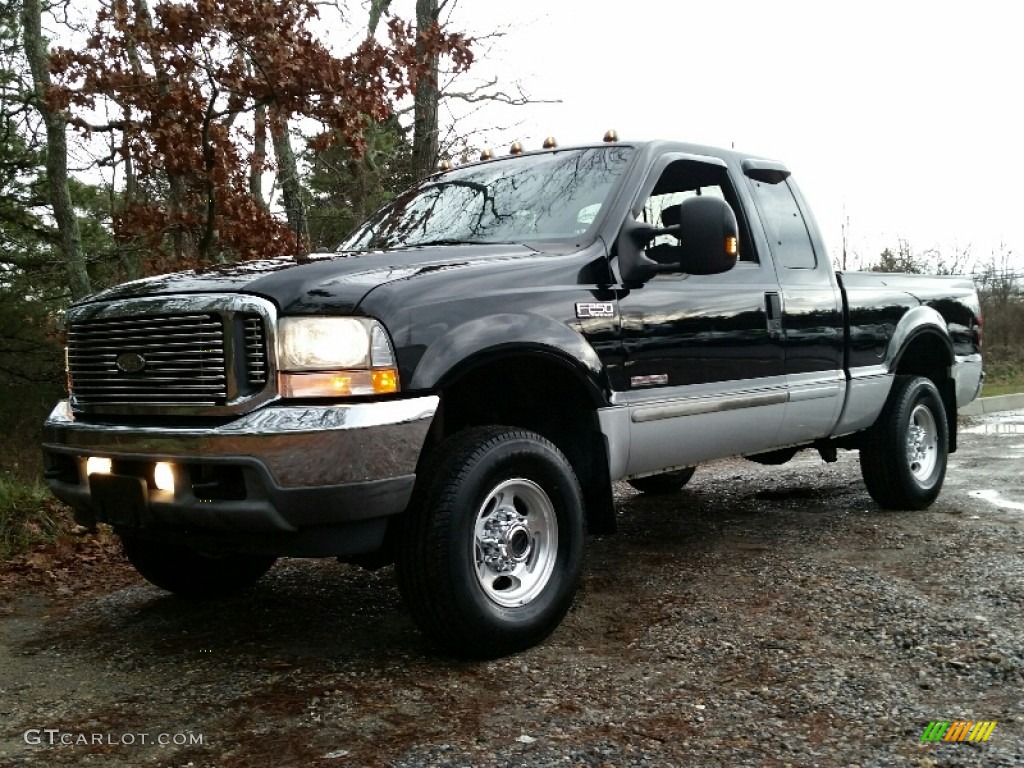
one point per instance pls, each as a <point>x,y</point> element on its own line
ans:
<point>764,616</point>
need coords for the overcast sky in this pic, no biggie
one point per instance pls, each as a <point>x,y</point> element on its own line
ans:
<point>905,115</point>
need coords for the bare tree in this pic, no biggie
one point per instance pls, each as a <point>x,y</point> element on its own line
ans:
<point>55,121</point>
<point>437,86</point>
<point>951,263</point>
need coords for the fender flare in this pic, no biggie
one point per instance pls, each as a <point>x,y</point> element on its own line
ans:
<point>463,347</point>
<point>915,323</point>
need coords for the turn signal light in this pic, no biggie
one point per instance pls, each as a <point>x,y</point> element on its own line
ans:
<point>378,381</point>
<point>385,381</point>
<point>732,246</point>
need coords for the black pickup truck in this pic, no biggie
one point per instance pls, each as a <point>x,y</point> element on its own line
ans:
<point>457,387</point>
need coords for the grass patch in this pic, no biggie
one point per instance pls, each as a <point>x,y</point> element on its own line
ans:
<point>1001,380</point>
<point>29,515</point>
<point>1004,372</point>
<point>1002,388</point>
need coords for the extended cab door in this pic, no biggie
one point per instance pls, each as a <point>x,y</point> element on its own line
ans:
<point>809,305</point>
<point>704,377</point>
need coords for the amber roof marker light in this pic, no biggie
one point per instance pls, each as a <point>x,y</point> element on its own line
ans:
<point>611,136</point>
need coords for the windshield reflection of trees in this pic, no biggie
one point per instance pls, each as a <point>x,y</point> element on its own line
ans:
<point>535,197</point>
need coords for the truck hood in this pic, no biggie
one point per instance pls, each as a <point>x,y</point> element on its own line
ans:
<point>319,282</point>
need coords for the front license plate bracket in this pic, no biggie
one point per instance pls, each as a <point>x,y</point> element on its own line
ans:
<point>119,499</point>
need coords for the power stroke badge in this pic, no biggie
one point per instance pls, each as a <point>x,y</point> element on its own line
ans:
<point>595,309</point>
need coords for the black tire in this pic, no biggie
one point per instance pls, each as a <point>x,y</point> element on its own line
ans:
<point>903,456</point>
<point>191,574</point>
<point>666,482</point>
<point>491,547</point>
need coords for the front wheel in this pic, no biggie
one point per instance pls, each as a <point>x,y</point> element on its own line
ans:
<point>903,458</point>
<point>189,573</point>
<point>492,546</point>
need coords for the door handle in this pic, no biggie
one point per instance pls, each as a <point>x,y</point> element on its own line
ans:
<point>773,308</point>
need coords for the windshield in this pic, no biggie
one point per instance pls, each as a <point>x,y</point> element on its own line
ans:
<point>549,196</point>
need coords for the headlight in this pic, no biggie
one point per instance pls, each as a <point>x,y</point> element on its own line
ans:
<point>335,356</point>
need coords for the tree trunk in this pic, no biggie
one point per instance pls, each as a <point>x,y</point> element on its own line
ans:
<point>36,51</point>
<point>259,156</point>
<point>425,102</point>
<point>288,178</point>
<point>128,253</point>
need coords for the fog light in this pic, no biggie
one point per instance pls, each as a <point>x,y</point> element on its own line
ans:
<point>163,476</point>
<point>97,465</point>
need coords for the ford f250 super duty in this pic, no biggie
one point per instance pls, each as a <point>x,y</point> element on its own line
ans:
<point>457,387</point>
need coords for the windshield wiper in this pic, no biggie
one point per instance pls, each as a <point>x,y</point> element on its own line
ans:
<point>453,241</point>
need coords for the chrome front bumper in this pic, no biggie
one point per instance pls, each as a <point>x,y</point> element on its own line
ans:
<point>278,470</point>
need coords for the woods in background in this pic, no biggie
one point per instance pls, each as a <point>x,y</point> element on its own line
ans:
<point>180,117</point>
<point>1001,291</point>
<point>155,135</point>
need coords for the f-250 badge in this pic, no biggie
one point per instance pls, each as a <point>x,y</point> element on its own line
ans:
<point>595,309</point>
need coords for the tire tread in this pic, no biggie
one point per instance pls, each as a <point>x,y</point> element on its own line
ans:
<point>424,572</point>
<point>880,460</point>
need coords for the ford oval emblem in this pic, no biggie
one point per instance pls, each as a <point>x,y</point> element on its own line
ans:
<point>130,362</point>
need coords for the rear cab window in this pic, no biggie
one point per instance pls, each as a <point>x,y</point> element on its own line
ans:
<point>784,224</point>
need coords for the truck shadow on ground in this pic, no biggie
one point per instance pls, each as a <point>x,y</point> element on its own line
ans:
<point>300,612</point>
<point>323,613</point>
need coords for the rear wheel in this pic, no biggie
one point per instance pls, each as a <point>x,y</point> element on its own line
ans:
<point>666,482</point>
<point>903,458</point>
<point>189,573</point>
<point>492,547</point>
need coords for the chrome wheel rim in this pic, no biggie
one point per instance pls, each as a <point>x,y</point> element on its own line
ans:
<point>922,444</point>
<point>515,542</point>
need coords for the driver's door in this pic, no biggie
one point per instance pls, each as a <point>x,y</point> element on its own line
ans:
<point>704,374</point>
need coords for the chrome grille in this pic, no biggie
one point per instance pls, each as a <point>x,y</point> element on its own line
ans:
<point>184,360</point>
<point>255,351</point>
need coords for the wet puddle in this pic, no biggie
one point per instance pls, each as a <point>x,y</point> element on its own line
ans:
<point>1008,428</point>
<point>993,497</point>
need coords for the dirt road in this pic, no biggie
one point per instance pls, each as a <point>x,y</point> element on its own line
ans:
<point>761,617</point>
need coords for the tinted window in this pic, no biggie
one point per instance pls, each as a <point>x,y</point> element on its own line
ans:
<point>655,206</point>
<point>550,196</point>
<point>679,181</point>
<point>784,225</point>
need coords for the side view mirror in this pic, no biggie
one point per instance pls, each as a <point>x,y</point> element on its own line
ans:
<point>709,242</point>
